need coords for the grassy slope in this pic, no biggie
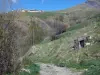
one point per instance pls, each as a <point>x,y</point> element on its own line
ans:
<point>59,51</point>
<point>79,14</point>
<point>43,15</point>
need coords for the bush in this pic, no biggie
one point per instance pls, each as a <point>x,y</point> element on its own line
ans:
<point>7,45</point>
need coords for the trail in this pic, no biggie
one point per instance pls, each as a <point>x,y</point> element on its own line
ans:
<point>48,69</point>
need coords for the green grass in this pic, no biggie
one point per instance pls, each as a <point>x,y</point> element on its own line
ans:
<point>94,68</point>
<point>44,15</point>
<point>86,58</point>
<point>75,27</point>
<point>33,68</point>
<point>28,65</point>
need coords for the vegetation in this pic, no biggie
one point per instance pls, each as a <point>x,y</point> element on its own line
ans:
<point>6,45</point>
<point>43,15</point>
<point>94,65</point>
<point>94,68</point>
<point>36,32</point>
<point>19,34</point>
<point>60,53</point>
<point>33,70</point>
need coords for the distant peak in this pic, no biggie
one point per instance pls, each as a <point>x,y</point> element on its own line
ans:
<point>93,3</point>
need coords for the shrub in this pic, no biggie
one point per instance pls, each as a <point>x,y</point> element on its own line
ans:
<point>7,45</point>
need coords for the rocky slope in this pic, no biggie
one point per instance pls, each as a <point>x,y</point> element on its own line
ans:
<point>93,3</point>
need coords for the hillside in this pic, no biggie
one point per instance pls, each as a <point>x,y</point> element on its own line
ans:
<point>60,52</point>
<point>94,3</point>
<point>83,19</point>
<point>48,37</point>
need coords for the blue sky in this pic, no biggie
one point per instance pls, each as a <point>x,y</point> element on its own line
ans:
<point>46,5</point>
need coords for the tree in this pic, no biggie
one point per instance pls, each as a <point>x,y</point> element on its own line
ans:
<point>36,32</point>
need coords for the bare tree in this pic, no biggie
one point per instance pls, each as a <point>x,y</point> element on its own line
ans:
<point>57,26</point>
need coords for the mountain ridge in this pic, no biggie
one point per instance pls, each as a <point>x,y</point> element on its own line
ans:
<point>93,3</point>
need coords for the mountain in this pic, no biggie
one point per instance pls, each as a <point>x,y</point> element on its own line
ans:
<point>84,19</point>
<point>28,29</point>
<point>82,13</point>
<point>93,3</point>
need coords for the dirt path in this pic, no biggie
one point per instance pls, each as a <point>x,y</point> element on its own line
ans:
<point>47,69</point>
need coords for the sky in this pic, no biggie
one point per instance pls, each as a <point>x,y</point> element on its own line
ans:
<point>46,5</point>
